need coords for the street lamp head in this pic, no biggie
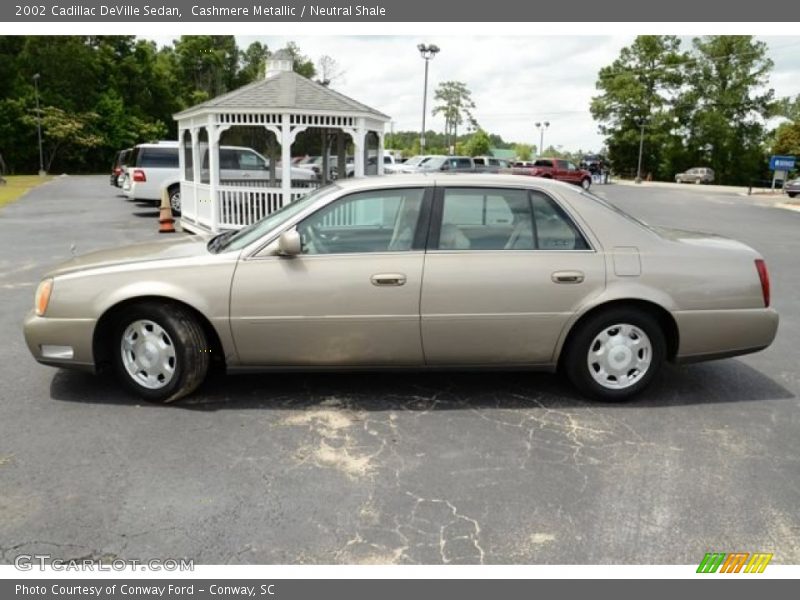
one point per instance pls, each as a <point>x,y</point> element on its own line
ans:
<point>36,77</point>
<point>538,124</point>
<point>547,123</point>
<point>428,51</point>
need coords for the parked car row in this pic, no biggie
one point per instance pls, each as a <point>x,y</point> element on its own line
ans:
<point>558,169</point>
<point>146,169</point>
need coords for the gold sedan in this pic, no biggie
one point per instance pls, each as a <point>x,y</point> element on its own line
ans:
<point>417,272</point>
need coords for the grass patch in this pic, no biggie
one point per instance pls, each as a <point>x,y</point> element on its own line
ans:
<point>16,185</point>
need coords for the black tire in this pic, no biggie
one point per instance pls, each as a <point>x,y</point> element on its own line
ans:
<point>586,183</point>
<point>175,199</point>
<point>575,360</point>
<point>191,351</point>
<point>791,194</point>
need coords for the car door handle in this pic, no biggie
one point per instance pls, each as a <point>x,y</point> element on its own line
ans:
<point>567,277</point>
<point>388,279</point>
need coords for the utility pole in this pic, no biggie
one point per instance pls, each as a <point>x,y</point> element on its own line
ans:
<point>641,121</point>
<point>36,77</point>
<point>427,52</point>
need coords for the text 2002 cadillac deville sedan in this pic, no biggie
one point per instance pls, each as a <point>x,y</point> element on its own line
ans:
<point>467,271</point>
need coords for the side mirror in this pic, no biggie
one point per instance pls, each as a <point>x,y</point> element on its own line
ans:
<point>290,244</point>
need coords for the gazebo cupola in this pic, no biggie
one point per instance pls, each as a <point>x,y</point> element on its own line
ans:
<point>236,149</point>
<point>278,62</point>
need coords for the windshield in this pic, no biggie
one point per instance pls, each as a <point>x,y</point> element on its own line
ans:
<point>251,233</point>
<point>415,160</point>
<point>434,162</point>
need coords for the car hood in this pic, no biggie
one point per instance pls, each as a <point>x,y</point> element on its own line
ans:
<point>185,247</point>
<point>701,239</point>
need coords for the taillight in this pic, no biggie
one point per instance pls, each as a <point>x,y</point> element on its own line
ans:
<point>763,275</point>
<point>138,175</point>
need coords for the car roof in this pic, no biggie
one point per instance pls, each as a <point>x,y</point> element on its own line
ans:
<point>452,179</point>
<point>164,144</point>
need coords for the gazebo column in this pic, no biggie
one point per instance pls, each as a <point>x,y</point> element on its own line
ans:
<point>286,138</point>
<point>359,136</point>
<point>380,135</point>
<point>213,172</point>
<point>286,159</point>
<point>196,166</point>
<point>182,152</point>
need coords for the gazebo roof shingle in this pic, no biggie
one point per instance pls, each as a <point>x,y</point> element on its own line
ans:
<point>283,90</point>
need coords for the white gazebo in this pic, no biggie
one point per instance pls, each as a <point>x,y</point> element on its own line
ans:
<point>279,107</point>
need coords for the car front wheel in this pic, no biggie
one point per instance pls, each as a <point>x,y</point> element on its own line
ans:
<point>160,352</point>
<point>586,183</point>
<point>615,354</point>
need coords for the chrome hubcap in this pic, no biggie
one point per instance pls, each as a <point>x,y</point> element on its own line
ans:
<point>148,354</point>
<point>619,356</point>
<point>175,201</point>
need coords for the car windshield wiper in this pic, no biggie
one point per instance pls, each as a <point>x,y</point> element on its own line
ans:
<point>218,242</point>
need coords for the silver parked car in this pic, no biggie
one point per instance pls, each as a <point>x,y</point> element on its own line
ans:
<point>412,271</point>
<point>792,187</point>
<point>696,175</point>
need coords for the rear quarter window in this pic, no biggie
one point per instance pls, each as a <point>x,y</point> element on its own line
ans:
<point>162,158</point>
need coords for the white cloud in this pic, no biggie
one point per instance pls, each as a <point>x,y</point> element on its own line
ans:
<point>515,81</point>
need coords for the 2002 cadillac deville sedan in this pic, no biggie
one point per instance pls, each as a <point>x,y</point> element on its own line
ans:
<point>467,271</point>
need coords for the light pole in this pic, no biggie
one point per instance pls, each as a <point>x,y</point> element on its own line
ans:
<point>427,51</point>
<point>541,127</point>
<point>641,122</point>
<point>38,123</point>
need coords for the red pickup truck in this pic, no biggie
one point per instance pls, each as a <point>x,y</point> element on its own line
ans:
<point>556,168</point>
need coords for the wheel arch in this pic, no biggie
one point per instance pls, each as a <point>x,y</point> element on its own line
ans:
<point>102,345</point>
<point>664,318</point>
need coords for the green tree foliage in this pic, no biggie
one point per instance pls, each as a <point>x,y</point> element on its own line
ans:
<point>105,93</point>
<point>478,144</point>
<point>727,105</point>
<point>641,83</point>
<point>456,105</point>
<point>64,131</point>
<point>786,137</point>
<point>704,107</point>
<point>524,151</point>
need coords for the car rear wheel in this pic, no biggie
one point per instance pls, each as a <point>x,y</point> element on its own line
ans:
<point>175,199</point>
<point>586,183</point>
<point>615,354</point>
<point>160,352</point>
<point>792,194</point>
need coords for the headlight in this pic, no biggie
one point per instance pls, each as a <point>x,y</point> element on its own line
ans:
<point>43,296</point>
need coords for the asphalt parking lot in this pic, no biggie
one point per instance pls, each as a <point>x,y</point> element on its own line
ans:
<point>398,468</point>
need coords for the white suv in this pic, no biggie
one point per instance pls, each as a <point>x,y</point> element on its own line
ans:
<point>154,167</point>
<point>151,167</point>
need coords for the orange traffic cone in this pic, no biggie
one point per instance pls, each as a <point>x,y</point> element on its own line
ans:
<point>165,219</point>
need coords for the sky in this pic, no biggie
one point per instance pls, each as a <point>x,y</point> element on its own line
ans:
<point>515,81</point>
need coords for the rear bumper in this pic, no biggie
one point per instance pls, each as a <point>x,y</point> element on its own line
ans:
<point>60,342</point>
<point>711,334</point>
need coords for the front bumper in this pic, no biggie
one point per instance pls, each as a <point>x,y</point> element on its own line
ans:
<point>710,334</point>
<point>60,342</point>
